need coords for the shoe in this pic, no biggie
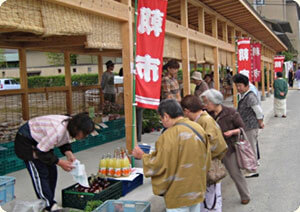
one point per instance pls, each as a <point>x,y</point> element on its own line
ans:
<point>55,208</point>
<point>245,201</point>
<point>275,116</point>
<point>250,175</point>
<point>258,163</point>
<point>283,116</point>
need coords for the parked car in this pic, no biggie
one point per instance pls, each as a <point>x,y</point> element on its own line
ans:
<point>9,84</point>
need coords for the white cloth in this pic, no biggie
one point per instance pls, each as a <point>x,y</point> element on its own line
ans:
<point>213,191</point>
<point>193,208</point>
<point>298,82</point>
<point>280,107</point>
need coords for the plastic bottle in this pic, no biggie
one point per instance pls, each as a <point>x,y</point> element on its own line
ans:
<point>118,172</point>
<point>103,166</point>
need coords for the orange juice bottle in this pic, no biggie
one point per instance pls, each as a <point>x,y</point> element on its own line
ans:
<point>125,167</point>
<point>111,167</point>
<point>118,172</point>
<point>102,167</point>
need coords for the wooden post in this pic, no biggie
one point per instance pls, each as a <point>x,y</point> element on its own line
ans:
<point>127,59</point>
<point>272,77</point>
<point>185,66</point>
<point>263,96</point>
<point>225,32</point>
<point>68,82</point>
<point>214,26</point>
<point>234,71</point>
<point>24,84</point>
<point>100,72</point>
<point>185,49</point>
<point>201,20</point>
<point>268,79</point>
<point>216,68</point>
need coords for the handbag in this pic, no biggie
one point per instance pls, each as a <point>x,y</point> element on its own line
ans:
<point>245,155</point>
<point>217,170</point>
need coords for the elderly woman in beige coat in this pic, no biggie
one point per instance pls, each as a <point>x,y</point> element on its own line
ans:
<point>193,109</point>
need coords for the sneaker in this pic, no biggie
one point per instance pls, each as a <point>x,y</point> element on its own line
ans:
<point>275,116</point>
<point>283,116</point>
<point>258,163</point>
<point>55,207</point>
<point>250,175</point>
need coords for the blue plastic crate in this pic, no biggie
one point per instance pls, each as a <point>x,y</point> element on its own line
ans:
<point>7,189</point>
<point>124,206</point>
<point>128,186</point>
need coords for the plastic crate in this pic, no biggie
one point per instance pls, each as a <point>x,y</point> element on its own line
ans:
<point>13,164</point>
<point>124,206</point>
<point>7,189</point>
<point>78,200</point>
<point>9,150</point>
<point>128,186</point>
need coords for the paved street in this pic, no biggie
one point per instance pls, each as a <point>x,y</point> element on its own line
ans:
<point>277,189</point>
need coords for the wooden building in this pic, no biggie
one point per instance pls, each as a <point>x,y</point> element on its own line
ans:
<point>197,32</point>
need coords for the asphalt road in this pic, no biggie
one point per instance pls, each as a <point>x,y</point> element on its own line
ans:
<point>277,189</point>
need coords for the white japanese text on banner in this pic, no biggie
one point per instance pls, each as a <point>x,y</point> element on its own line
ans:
<point>278,63</point>
<point>256,62</point>
<point>244,58</point>
<point>149,54</point>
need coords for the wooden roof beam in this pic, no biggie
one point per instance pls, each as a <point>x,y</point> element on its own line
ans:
<point>58,42</point>
<point>108,8</point>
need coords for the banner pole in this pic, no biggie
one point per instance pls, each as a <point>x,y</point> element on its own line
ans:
<point>133,83</point>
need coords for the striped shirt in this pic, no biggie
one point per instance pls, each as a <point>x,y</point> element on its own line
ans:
<point>49,131</point>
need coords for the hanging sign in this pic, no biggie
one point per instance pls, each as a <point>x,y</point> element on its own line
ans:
<point>278,63</point>
<point>244,57</point>
<point>256,62</point>
<point>149,54</point>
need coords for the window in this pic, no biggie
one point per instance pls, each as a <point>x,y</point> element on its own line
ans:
<point>260,2</point>
<point>7,82</point>
<point>3,73</point>
<point>59,70</point>
<point>89,69</point>
<point>74,70</point>
<point>14,82</point>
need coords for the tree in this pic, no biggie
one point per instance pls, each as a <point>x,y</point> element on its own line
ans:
<point>288,56</point>
<point>2,58</point>
<point>57,59</point>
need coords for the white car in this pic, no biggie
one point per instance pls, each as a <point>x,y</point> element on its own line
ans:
<point>9,84</point>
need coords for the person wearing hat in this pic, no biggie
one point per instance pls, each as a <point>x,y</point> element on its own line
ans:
<point>201,85</point>
<point>107,82</point>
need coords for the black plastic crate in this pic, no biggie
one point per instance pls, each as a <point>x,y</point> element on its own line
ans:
<point>74,199</point>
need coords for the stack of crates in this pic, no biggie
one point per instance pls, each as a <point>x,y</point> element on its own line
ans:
<point>9,162</point>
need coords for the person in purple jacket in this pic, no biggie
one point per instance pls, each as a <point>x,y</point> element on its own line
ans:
<point>297,77</point>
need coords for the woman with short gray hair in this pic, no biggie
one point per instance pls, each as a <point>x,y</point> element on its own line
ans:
<point>230,123</point>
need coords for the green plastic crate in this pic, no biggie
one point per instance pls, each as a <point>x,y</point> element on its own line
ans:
<point>9,150</point>
<point>78,200</point>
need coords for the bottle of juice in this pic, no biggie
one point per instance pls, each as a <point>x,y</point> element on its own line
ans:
<point>118,172</point>
<point>125,166</point>
<point>103,166</point>
<point>111,167</point>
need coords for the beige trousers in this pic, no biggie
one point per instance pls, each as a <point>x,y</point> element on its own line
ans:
<point>236,175</point>
<point>252,137</point>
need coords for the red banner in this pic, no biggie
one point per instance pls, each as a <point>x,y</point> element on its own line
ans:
<point>256,62</point>
<point>244,58</point>
<point>278,63</point>
<point>149,54</point>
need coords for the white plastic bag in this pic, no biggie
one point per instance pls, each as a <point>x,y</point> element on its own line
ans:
<point>29,206</point>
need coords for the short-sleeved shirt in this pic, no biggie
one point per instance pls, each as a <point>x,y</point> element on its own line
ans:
<point>169,85</point>
<point>107,83</point>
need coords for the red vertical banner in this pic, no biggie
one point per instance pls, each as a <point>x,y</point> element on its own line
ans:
<point>244,57</point>
<point>149,53</point>
<point>278,63</point>
<point>256,62</point>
